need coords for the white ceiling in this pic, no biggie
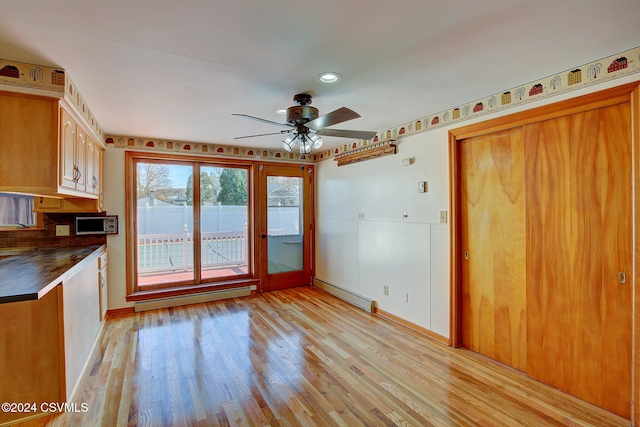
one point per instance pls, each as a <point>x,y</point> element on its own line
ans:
<point>177,70</point>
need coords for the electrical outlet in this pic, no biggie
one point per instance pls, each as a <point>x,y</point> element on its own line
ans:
<point>422,187</point>
<point>405,215</point>
<point>443,217</point>
<point>385,290</point>
<point>62,230</point>
<point>361,215</point>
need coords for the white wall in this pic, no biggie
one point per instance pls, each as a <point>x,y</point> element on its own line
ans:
<point>114,203</point>
<point>410,256</point>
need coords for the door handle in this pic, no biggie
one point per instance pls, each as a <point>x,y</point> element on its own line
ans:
<point>622,278</point>
<point>466,254</point>
<point>264,236</point>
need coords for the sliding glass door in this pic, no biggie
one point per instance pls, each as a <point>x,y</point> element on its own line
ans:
<point>192,223</point>
<point>164,224</point>
<point>224,222</point>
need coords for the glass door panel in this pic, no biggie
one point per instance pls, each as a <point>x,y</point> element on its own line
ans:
<point>164,224</point>
<point>224,215</point>
<point>284,216</point>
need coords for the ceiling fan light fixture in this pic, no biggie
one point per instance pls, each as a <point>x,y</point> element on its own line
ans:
<point>328,77</point>
<point>316,140</point>
<point>306,145</point>
<point>290,142</point>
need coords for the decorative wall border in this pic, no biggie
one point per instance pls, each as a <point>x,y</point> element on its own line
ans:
<point>205,149</point>
<point>50,79</point>
<point>599,71</point>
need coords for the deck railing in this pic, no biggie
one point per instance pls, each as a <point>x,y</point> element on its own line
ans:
<point>174,252</point>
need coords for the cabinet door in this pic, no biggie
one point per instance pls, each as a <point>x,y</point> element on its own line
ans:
<point>104,294</point>
<point>81,302</point>
<point>67,149</point>
<point>31,164</point>
<point>81,153</point>
<point>91,166</point>
<point>100,176</point>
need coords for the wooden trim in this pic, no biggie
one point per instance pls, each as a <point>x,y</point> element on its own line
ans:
<point>197,234</point>
<point>30,96</point>
<point>625,93</point>
<point>130,221</point>
<point>455,299</point>
<point>312,221</point>
<point>604,98</point>
<point>189,290</point>
<point>424,331</point>
<point>635,162</point>
<point>196,162</point>
<point>120,311</point>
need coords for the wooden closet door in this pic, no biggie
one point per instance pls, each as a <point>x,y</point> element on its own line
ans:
<point>579,236</point>
<point>493,245</point>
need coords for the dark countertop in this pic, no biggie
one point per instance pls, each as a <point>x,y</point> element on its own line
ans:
<point>29,273</point>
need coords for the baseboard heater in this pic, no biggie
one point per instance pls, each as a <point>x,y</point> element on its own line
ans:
<point>352,298</point>
<point>192,299</point>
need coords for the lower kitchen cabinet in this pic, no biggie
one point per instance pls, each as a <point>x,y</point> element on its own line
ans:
<point>81,305</point>
<point>45,344</point>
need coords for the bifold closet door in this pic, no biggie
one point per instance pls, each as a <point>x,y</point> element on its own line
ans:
<point>578,228</point>
<point>493,244</point>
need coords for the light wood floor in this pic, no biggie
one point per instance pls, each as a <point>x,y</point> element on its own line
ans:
<point>301,357</point>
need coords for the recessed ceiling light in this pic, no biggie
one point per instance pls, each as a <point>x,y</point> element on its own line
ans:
<point>328,77</point>
<point>282,111</point>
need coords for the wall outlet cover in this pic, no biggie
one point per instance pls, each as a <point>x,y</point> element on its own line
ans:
<point>62,230</point>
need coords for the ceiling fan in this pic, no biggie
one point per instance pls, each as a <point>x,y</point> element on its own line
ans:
<point>304,126</point>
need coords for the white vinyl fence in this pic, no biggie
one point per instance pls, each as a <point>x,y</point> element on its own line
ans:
<point>174,252</point>
<point>165,235</point>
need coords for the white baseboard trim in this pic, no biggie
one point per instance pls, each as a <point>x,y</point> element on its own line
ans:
<point>192,299</point>
<point>352,298</point>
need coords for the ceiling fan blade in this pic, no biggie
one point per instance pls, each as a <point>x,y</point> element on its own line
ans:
<point>265,134</point>
<point>343,133</point>
<point>333,118</point>
<point>263,120</point>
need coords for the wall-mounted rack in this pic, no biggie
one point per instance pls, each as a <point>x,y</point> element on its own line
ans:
<point>367,152</point>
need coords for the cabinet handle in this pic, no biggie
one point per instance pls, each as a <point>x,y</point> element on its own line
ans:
<point>76,174</point>
<point>95,182</point>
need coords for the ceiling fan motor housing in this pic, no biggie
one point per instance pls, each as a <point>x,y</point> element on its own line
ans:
<point>300,114</point>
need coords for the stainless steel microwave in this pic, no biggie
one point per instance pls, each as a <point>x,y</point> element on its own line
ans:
<point>96,225</point>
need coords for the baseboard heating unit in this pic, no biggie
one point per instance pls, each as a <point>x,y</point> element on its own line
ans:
<point>192,299</point>
<point>352,298</point>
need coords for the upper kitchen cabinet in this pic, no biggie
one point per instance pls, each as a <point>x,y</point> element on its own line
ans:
<point>48,151</point>
<point>52,146</point>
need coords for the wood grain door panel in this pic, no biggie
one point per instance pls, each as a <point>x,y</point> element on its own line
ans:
<point>493,236</point>
<point>578,174</point>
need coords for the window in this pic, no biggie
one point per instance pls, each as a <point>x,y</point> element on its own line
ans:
<point>16,211</point>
